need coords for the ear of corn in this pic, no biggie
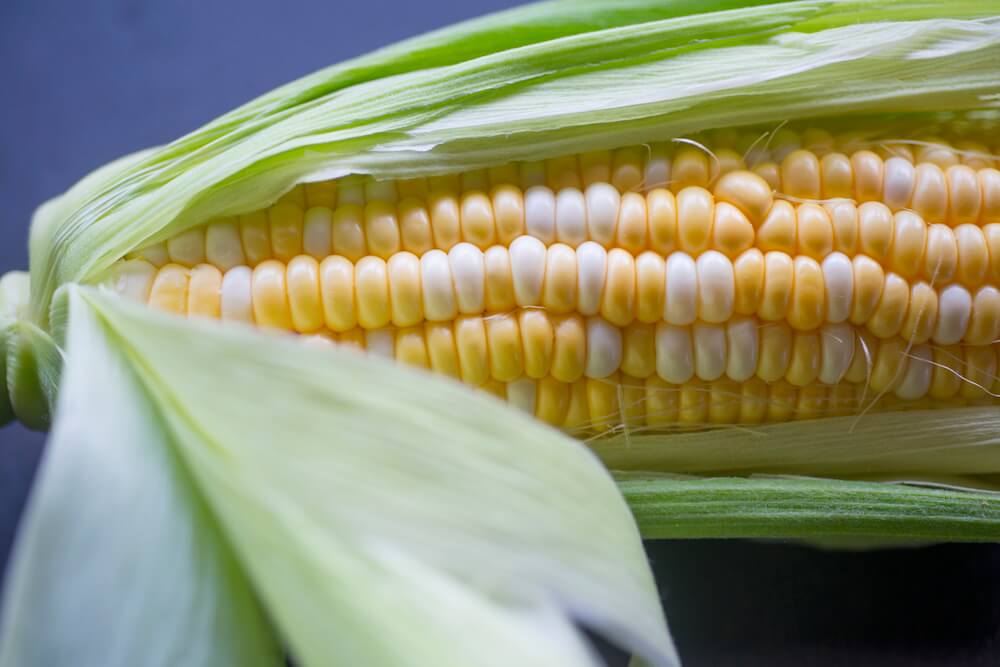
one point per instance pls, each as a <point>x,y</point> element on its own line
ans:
<point>438,148</point>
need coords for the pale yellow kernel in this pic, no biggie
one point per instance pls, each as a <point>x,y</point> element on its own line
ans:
<point>286,230</point>
<point>562,172</point>
<point>980,371</point>
<point>508,208</point>
<point>800,175</point>
<point>204,296</point>
<point>569,350</point>
<point>837,176</point>
<point>595,167</point>
<point>650,275</point>
<point>812,402</point>
<point>559,284</point>
<point>989,187</point>
<point>661,206</point>
<point>784,141</point>
<point>992,234</point>
<point>537,341</point>
<point>381,229</point>
<point>887,318</point>
<point>908,243</point>
<point>578,414</point>
<point>748,192</point>
<point>321,193</point>
<point>336,280</point>
<point>690,168</point>
<point>875,230</point>
<point>694,401</point>
<point>553,400</point>
<point>471,347</point>
<point>946,379</point>
<point>475,180</point>
<point>941,256</point>
<point>618,298</point>
<point>748,272</point>
<point>868,170</point>
<point>779,277</point>
<point>631,228</point>
<point>532,174</point>
<point>921,314</point>
<point>984,324</point>
<point>626,168</point>
<point>354,339</point>
<point>414,226</point>
<point>405,293</point>
<point>441,351</point>
<point>602,403</point>
<point>447,184</point>
<point>499,290</point>
<point>504,342</point>
<point>188,247</point>
<point>731,231</point>
<point>222,244</point>
<point>770,172</point>
<point>782,402</point>
<point>505,174</point>
<point>964,197</point>
<point>155,254</point>
<point>808,304</point>
<point>890,365</point>
<point>497,389</point>
<point>351,191</point>
<point>412,188</point>
<point>348,232</point>
<point>295,196</point>
<point>859,371</point>
<point>973,255</point>
<point>814,231</point>
<point>869,277</point>
<point>778,232</point>
<point>478,226</point>
<point>371,292</point>
<point>729,161</point>
<point>662,401</point>
<point>974,154</point>
<point>411,348</point>
<point>844,218</point>
<point>445,219</point>
<point>255,237</point>
<point>724,402</point>
<point>639,350</point>
<point>775,351</point>
<point>270,296</point>
<point>304,300</point>
<point>753,399</point>
<point>936,151</point>
<point>817,140</point>
<point>695,210</point>
<point>930,194</point>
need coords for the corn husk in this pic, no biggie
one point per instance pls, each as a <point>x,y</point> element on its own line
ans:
<point>360,513</point>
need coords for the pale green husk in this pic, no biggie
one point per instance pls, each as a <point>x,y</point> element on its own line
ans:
<point>377,525</point>
<point>382,517</point>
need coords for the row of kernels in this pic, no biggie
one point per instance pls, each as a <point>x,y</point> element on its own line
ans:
<point>678,289</point>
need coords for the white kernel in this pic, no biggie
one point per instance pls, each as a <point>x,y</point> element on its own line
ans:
<point>592,268</point>
<point>838,281</point>
<point>436,287</point>
<point>709,350</point>
<point>680,305</point>
<point>741,348</point>
<point>540,213</point>
<point>900,177</point>
<point>919,372</point>
<point>317,231</point>
<point>836,351</point>
<point>527,267</point>
<point>604,348</point>
<point>468,270</point>
<point>380,342</point>
<point>954,309</point>
<point>521,394</point>
<point>237,295</point>
<point>674,353</point>
<point>716,287</point>
<point>571,217</point>
<point>603,202</point>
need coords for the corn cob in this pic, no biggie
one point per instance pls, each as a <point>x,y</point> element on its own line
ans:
<point>658,285</point>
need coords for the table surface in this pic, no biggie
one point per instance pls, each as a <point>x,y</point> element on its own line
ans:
<point>87,82</point>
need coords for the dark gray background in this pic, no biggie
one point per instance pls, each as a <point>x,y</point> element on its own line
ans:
<point>82,83</point>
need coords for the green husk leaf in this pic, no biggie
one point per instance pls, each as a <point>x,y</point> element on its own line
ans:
<point>937,443</point>
<point>118,562</point>
<point>386,516</point>
<point>553,78</point>
<point>671,507</point>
